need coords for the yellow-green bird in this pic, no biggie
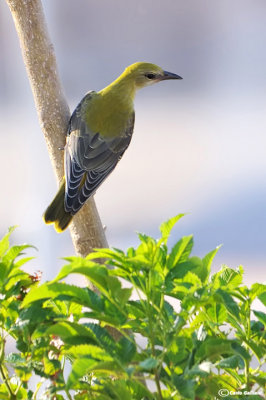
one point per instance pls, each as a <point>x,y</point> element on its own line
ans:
<point>99,132</point>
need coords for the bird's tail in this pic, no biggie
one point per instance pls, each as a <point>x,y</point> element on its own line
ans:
<point>56,213</point>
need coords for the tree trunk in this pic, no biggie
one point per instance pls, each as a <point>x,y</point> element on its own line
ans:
<point>39,57</point>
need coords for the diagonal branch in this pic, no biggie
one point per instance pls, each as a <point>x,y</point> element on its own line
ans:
<point>39,58</point>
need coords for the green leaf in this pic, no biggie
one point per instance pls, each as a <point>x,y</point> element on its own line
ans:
<point>185,387</point>
<point>166,227</point>
<point>13,252</point>
<point>230,278</point>
<point>23,261</point>
<point>4,395</point>
<point>119,390</point>
<point>177,350</point>
<point>95,272</point>
<point>72,332</point>
<point>202,370</point>
<point>148,364</point>
<point>207,262</point>
<point>183,268</point>
<point>257,290</point>
<point>258,349</point>
<point>126,349</point>
<point>17,279</point>
<point>228,301</point>
<point>240,350</point>
<point>212,347</point>
<point>121,295</point>
<point>145,238</point>
<point>36,315</point>
<point>84,365</point>
<point>60,290</point>
<point>217,312</point>
<point>231,362</point>
<point>262,298</point>
<point>99,276</point>
<point>109,254</point>
<point>180,252</point>
<point>88,350</point>
<point>4,243</point>
<point>79,368</point>
<point>103,337</point>
<point>51,366</point>
<point>139,390</point>
<point>261,316</point>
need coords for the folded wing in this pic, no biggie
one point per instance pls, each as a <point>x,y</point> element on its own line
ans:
<point>89,158</point>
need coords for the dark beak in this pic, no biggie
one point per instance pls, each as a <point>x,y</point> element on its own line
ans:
<point>169,75</point>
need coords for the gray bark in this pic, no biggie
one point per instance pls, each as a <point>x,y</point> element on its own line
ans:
<point>39,58</point>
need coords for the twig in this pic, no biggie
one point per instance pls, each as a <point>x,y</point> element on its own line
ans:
<point>39,58</point>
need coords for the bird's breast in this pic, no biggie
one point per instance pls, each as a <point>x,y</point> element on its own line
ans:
<point>109,116</point>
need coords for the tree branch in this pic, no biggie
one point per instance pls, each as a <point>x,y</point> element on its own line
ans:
<point>53,112</point>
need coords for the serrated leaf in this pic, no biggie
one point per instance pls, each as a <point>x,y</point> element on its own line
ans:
<point>4,395</point>
<point>13,252</point>
<point>183,268</point>
<point>89,269</point>
<point>166,227</point>
<point>257,289</point>
<point>228,301</point>
<point>217,312</point>
<point>139,390</point>
<point>212,347</point>
<point>262,298</point>
<point>145,238</point>
<point>23,261</point>
<point>84,365</point>
<point>230,278</point>
<point>119,390</point>
<point>88,350</point>
<point>258,350</point>
<point>180,252</point>
<point>240,350</point>
<point>79,369</point>
<point>59,290</point>
<point>203,369</point>
<point>67,329</point>
<point>126,349</point>
<point>15,359</point>
<point>106,254</point>
<point>148,364</point>
<point>4,242</point>
<point>185,387</point>
<point>231,362</point>
<point>51,366</point>
<point>177,351</point>
<point>207,262</point>
<point>103,337</point>
<point>261,316</point>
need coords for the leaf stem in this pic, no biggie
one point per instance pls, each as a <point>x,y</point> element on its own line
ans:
<point>248,338</point>
<point>150,319</point>
<point>39,384</point>
<point>3,375</point>
<point>68,394</point>
<point>5,380</point>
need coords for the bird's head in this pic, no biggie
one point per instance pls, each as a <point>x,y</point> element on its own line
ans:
<point>145,74</point>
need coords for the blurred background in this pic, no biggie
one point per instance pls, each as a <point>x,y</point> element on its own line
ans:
<point>199,144</point>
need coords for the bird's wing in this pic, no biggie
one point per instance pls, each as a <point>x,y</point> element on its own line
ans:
<point>89,158</point>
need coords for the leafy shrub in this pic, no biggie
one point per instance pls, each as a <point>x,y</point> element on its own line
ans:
<point>181,333</point>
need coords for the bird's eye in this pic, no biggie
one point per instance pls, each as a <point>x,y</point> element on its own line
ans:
<point>150,76</point>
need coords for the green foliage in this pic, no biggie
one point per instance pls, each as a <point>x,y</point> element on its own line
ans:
<point>181,333</point>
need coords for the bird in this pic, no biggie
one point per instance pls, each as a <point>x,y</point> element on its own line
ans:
<point>99,132</point>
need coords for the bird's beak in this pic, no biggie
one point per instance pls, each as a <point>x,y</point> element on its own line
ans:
<point>169,75</point>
